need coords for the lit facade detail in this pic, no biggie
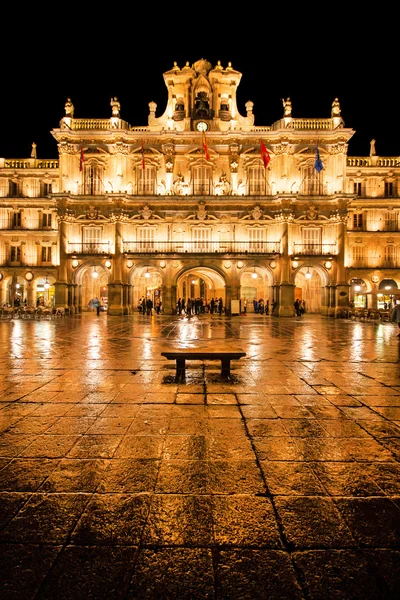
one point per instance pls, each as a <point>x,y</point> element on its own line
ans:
<point>201,194</point>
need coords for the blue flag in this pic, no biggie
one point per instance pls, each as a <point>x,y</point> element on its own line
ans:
<point>318,166</point>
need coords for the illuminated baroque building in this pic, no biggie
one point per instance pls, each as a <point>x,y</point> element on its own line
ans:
<point>200,202</point>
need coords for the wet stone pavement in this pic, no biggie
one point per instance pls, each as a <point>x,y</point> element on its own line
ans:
<point>280,481</point>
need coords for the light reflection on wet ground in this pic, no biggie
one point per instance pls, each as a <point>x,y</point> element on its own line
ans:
<point>282,481</point>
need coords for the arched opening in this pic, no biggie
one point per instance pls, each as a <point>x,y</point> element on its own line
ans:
<point>201,288</point>
<point>255,291</point>
<point>388,291</point>
<point>309,288</point>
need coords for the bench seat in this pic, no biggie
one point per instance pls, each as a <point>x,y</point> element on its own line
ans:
<point>184,354</point>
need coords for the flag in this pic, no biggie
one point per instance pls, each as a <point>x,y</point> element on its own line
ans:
<point>318,166</point>
<point>81,160</point>
<point>143,163</point>
<point>205,148</point>
<point>265,155</point>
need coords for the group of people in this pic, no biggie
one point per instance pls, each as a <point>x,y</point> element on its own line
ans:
<point>299,307</point>
<point>197,306</point>
<point>146,306</point>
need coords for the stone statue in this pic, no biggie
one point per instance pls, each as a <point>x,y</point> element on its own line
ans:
<point>33,153</point>
<point>335,108</point>
<point>287,107</point>
<point>372,151</point>
<point>223,187</point>
<point>69,108</point>
<point>180,188</point>
<point>115,106</point>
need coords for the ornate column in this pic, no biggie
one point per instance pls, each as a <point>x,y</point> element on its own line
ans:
<point>342,286</point>
<point>285,288</point>
<point>117,303</point>
<point>61,285</point>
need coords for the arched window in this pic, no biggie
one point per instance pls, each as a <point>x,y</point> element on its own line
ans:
<point>93,176</point>
<point>146,180</point>
<point>256,180</point>
<point>311,181</point>
<point>201,178</point>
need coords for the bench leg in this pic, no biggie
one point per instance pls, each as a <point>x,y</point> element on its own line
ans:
<point>180,369</point>
<point>226,367</point>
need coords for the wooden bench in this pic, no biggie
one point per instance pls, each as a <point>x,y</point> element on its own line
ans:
<point>184,354</point>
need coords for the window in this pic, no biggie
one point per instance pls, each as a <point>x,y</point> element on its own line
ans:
<point>93,179</point>
<point>146,181</point>
<point>357,221</point>
<point>390,256</point>
<point>256,240</point>
<point>388,189</point>
<point>357,188</point>
<point>45,188</point>
<point>15,254</point>
<point>311,240</point>
<point>390,221</point>
<point>358,254</point>
<point>201,239</point>
<point>17,219</point>
<point>201,175</point>
<point>46,254</point>
<point>46,220</point>
<point>256,180</point>
<point>311,181</point>
<point>146,239</point>
<point>13,190</point>
<point>92,237</point>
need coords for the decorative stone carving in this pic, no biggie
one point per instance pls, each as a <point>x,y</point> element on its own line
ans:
<point>257,213</point>
<point>92,213</point>
<point>201,214</point>
<point>146,212</point>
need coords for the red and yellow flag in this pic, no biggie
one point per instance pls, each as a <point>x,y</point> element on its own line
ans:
<point>265,157</point>
<point>205,148</point>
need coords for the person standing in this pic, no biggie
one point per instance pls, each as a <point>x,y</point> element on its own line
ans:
<point>212,306</point>
<point>149,306</point>
<point>395,317</point>
<point>220,306</point>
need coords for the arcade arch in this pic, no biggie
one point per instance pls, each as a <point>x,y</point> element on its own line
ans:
<point>90,281</point>
<point>310,282</point>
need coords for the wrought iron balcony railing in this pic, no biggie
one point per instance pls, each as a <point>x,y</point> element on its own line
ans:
<point>314,249</point>
<point>91,248</point>
<point>201,247</point>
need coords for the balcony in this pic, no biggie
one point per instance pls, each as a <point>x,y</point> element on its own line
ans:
<point>314,250</point>
<point>89,248</point>
<point>202,247</point>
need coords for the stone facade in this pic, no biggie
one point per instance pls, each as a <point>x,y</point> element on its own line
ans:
<point>201,203</point>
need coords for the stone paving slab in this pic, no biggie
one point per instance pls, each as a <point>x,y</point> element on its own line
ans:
<point>280,481</point>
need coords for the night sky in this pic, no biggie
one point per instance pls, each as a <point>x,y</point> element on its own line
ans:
<point>90,62</point>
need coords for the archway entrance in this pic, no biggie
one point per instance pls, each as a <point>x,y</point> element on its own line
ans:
<point>201,285</point>
<point>94,284</point>
<point>255,291</point>
<point>308,289</point>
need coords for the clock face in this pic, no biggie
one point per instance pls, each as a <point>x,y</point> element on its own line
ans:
<point>202,126</point>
